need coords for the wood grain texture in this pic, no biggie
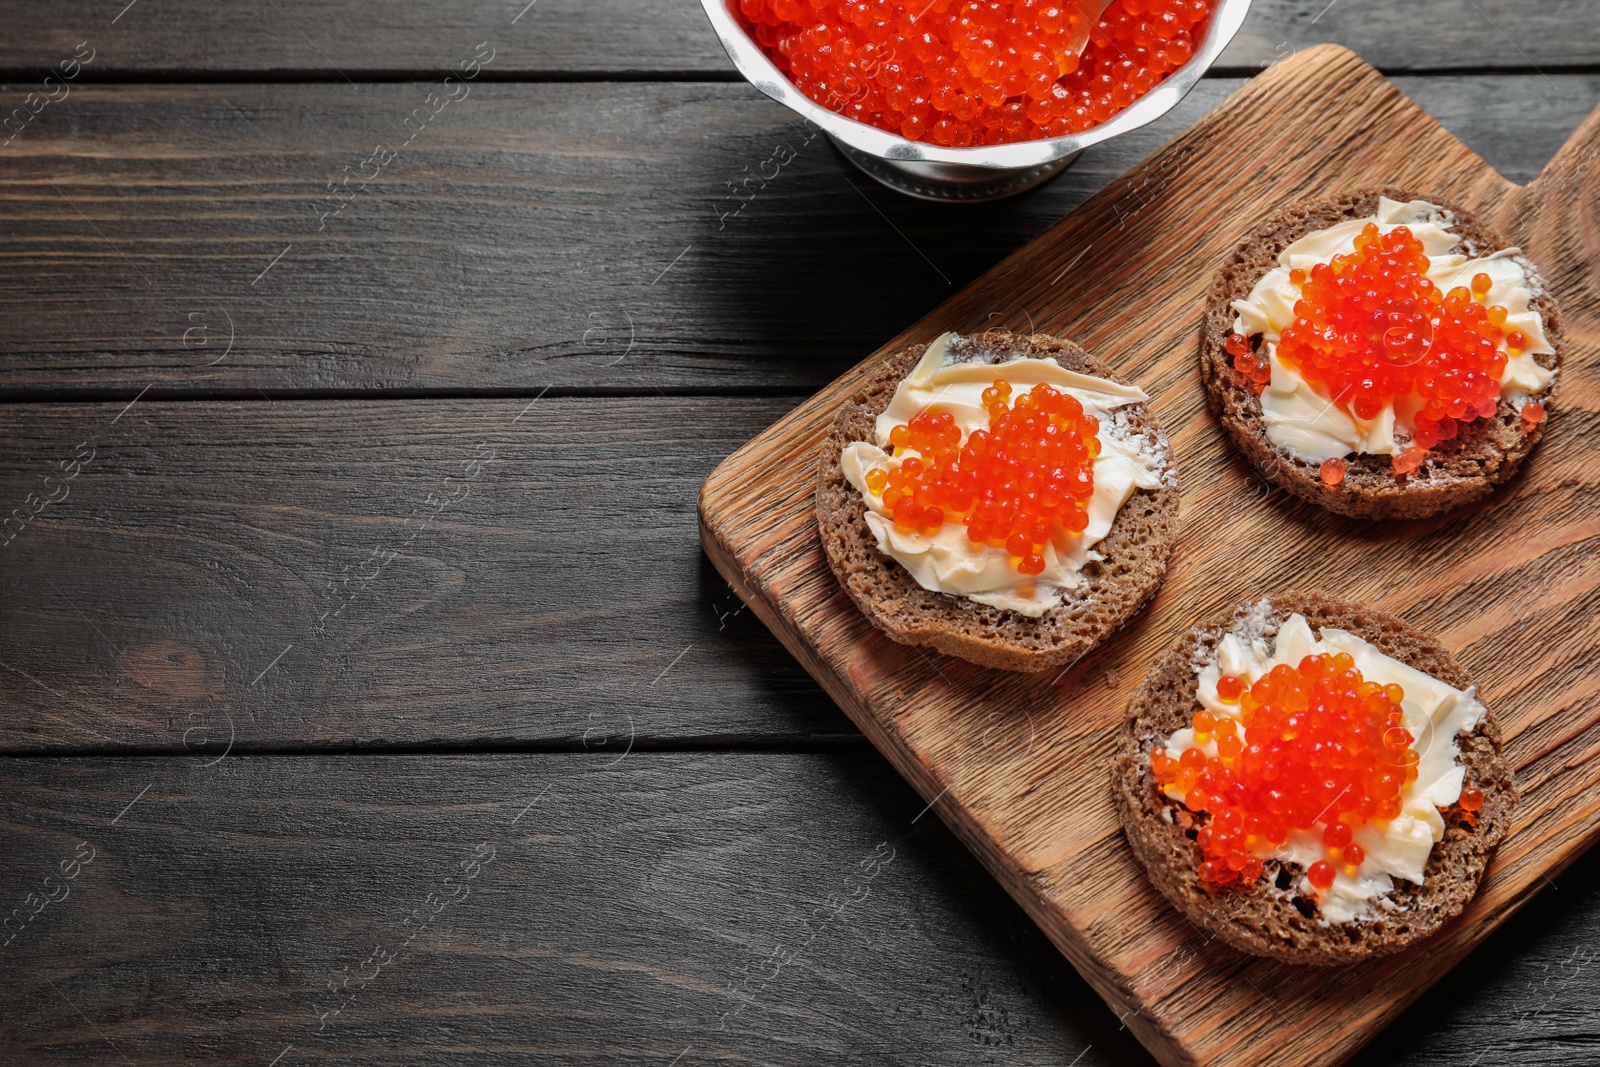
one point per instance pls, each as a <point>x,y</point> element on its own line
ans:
<point>626,915</point>
<point>1509,585</point>
<point>569,38</point>
<point>318,574</point>
<point>632,911</point>
<point>523,240</point>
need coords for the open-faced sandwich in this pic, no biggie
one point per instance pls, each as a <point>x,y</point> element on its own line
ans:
<point>1382,355</point>
<point>1001,498</point>
<point>1312,781</point>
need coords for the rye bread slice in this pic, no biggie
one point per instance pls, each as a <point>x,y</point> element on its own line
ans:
<point>1272,920</point>
<point>1487,451</point>
<point>1136,548</point>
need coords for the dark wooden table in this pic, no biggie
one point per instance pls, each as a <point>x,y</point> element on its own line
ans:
<point>364,694</point>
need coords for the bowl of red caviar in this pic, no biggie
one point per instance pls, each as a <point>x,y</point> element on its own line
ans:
<point>973,99</point>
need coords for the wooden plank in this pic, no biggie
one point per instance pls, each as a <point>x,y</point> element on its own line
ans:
<point>1466,35</point>
<point>567,38</point>
<point>576,235</point>
<point>398,573</point>
<point>631,913</point>
<point>1510,585</point>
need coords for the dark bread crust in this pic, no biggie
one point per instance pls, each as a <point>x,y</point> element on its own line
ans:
<point>1136,548</point>
<point>1463,470</point>
<point>1267,921</point>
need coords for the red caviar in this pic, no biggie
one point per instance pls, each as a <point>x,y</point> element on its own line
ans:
<point>1331,472</point>
<point>1409,459</point>
<point>1012,484</point>
<point>1314,745</point>
<point>1370,327</point>
<point>1532,415</point>
<point>1249,371</point>
<point>1321,874</point>
<point>970,73</point>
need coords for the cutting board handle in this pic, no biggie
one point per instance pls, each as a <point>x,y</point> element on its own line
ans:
<point>1578,156</point>
<point>1567,193</point>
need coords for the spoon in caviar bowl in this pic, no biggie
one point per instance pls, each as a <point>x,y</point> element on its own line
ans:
<point>957,101</point>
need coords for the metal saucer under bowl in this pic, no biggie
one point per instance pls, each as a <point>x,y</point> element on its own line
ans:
<point>952,182</point>
<point>966,175</point>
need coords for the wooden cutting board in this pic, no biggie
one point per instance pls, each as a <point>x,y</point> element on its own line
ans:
<point>1019,765</point>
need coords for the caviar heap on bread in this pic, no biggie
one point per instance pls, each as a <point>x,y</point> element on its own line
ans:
<point>1385,357</point>
<point>1314,780</point>
<point>959,73</point>
<point>994,482</point>
<point>984,491</point>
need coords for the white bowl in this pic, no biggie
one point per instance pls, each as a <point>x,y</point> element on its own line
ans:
<point>985,172</point>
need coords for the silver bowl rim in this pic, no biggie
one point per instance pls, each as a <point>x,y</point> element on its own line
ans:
<point>760,71</point>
